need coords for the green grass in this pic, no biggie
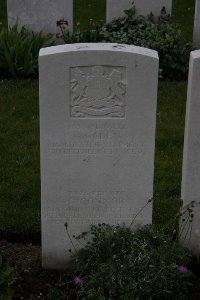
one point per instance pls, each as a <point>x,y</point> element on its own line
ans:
<point>89,11</point>
<point>19,140</point>
<point>183,12</point>
<point>19,160</point>
<point>169,149</point>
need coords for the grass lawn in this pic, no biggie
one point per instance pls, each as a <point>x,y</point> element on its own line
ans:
<point>19,160</point>
<point>19,136</point>
<point>87,11</point>
<point>183,12</point>
<point>169,148</point>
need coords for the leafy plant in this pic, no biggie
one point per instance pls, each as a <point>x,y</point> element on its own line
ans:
<point>161,34</point>
<point>56,294</point>
<point>19,51</point>
<point>7,278</point>
<point>119,263</point>
<point>88,36</point>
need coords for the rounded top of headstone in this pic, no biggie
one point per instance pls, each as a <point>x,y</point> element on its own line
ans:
<point>98,47</point>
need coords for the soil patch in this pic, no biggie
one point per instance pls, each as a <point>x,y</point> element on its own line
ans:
<point>32,282</point>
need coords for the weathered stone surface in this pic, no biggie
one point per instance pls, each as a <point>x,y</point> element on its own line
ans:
<point>40,15</point>
<point>196,33</point>
<point>191,159</point>
<point>97,124</point>
<point>115,8</point>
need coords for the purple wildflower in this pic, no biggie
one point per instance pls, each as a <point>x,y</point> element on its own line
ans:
<point>78,281</point>
<point>182,269</point>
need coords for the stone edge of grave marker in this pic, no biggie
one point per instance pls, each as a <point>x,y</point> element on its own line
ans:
<point>190,237</point>
<point>98,46</point>
<point>196,31</point>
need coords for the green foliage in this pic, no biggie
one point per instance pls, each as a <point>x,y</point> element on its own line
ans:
<point>121,264</point>
<point>162,35</point>
<point>56,294</point>
<point>7,278</point>
<point>19,51</point>
<point>89,36</point>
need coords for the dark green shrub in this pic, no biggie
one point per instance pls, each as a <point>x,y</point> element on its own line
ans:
<point>162,35</point>
<point>78,36</point>
<point>121,264</point>
<point>19,51</point>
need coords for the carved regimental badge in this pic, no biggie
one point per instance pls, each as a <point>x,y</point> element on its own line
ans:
<point>98,91</point>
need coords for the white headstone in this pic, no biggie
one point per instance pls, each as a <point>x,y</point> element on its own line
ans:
<point>190,227</point>
<point>196,33</point>
<point>97,124</point>
<point>40,15</point>
<point>115,8</point>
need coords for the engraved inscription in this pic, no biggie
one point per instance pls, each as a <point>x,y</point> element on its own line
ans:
<point>89,140</point>
<point>92,207</point>
<point>98,91</point>
<point>128,147</point>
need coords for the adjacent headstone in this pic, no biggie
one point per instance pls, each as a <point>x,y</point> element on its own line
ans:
<point>115,8</point>
<point>190,220</point>
<point>40,15</point>
<point>196,33</point>
<point>97,124</point>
